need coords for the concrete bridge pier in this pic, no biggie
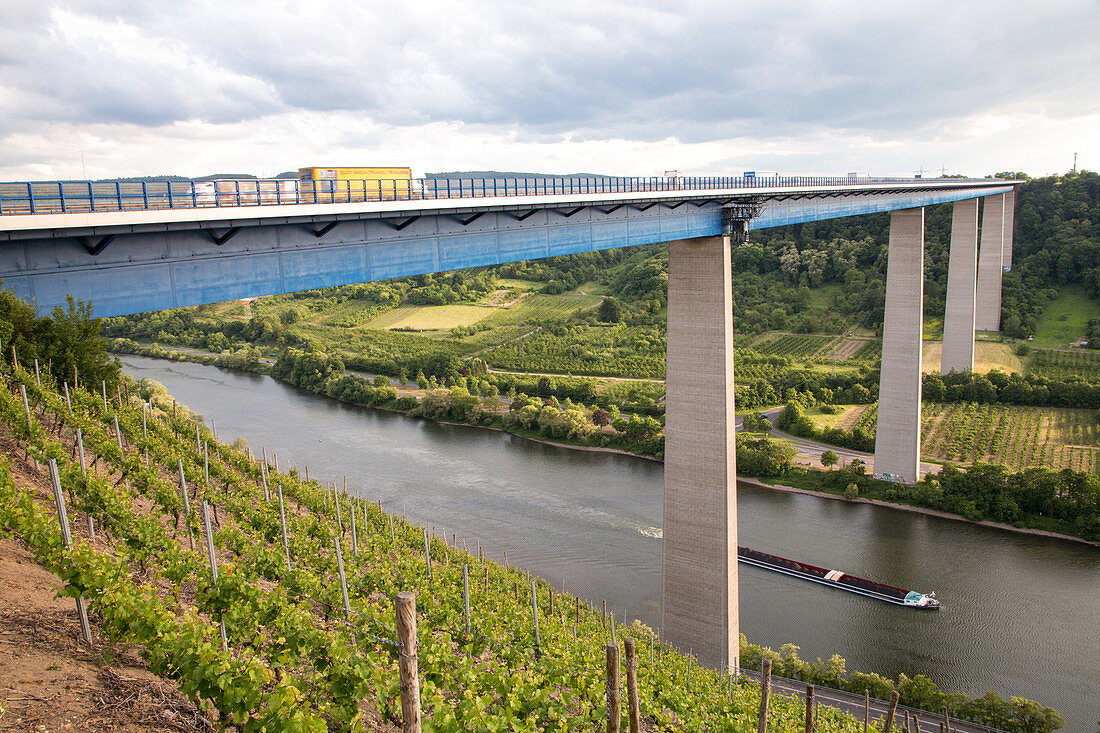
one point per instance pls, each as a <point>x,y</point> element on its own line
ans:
<point>699,562</point>
<point>958,320</point>
<point>897,442</point>
<point>1010,225</point>
<point>990,262</point>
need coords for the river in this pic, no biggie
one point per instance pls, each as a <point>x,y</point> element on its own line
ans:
<point>1020,616</point>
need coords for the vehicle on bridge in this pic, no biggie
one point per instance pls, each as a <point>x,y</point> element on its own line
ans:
<point>333,185</point>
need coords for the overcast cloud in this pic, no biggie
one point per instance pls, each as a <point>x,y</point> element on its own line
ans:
<point>144,87</point>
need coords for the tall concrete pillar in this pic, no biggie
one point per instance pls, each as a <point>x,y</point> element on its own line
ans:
<point>1010,225</point>
<point>897,443</point>
<point>990,262</point>
<point>962,283</point>
<point>699,562</point>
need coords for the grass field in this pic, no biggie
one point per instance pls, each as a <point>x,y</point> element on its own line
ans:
<point>823,297</point>
<point>431,317</point>
<point>822,421</point>
<point>1063,321</point>
<point>987,356</point>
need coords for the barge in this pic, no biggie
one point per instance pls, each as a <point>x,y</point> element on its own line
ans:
<point>838,579</point>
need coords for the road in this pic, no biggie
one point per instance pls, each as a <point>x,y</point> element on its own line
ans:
<point>854,704</point>
<point>811,450</point>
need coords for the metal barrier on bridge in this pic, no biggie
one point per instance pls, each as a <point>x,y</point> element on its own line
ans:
<point>58,197</point>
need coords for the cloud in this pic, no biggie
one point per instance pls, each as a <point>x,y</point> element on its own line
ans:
<point>358,76</point>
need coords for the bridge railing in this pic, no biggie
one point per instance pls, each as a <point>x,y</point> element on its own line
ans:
<point>56,197</point>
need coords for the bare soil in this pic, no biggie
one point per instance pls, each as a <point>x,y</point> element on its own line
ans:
<point>51,681</point>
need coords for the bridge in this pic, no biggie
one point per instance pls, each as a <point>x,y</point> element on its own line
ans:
<point>130,247</point>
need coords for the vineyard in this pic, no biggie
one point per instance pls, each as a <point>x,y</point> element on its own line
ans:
<point>794,346</point>
<point>269,599</point>
<point>1065,364</point>
<point>815,349</point>
<point>594,351</point>
<point>1016,437</point>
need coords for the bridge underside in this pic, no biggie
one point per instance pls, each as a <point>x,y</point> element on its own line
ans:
<point>133,268</point>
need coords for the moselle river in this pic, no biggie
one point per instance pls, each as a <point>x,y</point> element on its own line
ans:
<point>1020,616</point>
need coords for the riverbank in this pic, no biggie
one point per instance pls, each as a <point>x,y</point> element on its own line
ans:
<point>817,478</point>
<point>916,510</point>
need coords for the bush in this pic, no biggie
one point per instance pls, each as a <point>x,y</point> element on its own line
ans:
<point>406,403</point>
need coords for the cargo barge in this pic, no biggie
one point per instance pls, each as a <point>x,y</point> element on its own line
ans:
<point>838,579</point>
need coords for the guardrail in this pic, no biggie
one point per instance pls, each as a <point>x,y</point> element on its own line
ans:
<point>835,698</point>
<point>62,197</point>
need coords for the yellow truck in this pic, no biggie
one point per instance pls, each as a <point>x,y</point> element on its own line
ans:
<point>331,185</point>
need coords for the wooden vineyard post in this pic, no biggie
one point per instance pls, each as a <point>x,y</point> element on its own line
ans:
<point>866,709</point>
<point>63,520</point>
<point>263,477</point>
<point>37,376</point>
<point>393,539</point>
<point>632,705</point>
<point>405,606</point>
<point>614,699</point>
<point>186,503</point>
<point>535,611</point>
<point>765,692</point>
<point>68,400</point>
<point>26,405</point>
<point>427,554</point>
<point>336,501</point>
<point>894,697</point>
<point>466,596</point>
<point>213,565</point>
<point>486,580</point>
<point>354,538</point>
<point>104,384</point>
<point>118,438</point>
<point>946,720</point>
<point>343,577</point>
<point>810,722</point>
<point>84,470</point>
<point>282,519</point>
<point>145,421</point>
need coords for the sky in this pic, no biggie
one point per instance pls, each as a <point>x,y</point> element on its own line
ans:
<point>108,88</point>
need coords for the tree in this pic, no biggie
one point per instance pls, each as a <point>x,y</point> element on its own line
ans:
<point>829,458</point>
<point>610,311</point>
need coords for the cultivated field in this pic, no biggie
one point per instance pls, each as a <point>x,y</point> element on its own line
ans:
<point>1065,364</point>
<point>1016,437</point>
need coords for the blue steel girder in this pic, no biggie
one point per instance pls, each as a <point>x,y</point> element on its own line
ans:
<point>182,259</point>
